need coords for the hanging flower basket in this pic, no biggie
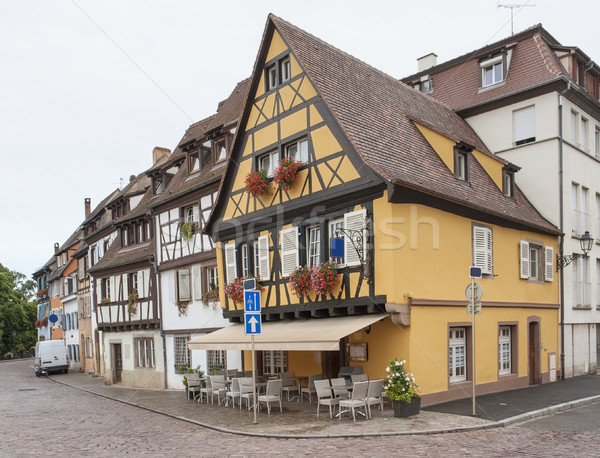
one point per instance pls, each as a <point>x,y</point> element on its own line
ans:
<point>132,302</point>
<point>235,290</point>
<point>257,183</point>
<point>324,278</point>
<point>300,281</point>
<point>187,230</point>
<point>286,173</point>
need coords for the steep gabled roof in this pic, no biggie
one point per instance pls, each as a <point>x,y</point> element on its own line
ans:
<point>378,114</point>
<point>227,116</point>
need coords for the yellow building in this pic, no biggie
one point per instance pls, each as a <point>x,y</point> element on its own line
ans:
<point>416,199</point>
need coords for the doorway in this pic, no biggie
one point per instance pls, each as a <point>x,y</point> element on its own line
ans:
<point>597,348</point>
<point>117,362</point>
<point>533,339</point>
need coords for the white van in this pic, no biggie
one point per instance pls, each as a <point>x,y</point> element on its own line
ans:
<point>51,356</point>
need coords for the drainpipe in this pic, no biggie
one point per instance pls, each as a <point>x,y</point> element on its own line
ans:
<point>561,227</point>
<point>152,259</point>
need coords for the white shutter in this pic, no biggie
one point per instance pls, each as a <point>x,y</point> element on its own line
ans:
<point>197,282</point>
<point>524,124</point>
<point>196,214</point>
<point>289,251</point>
<point>230,268</point>
<point>144,283</point>
<point>354,221</point>
<point>183,281</point>
<point>263,257</point>
<point>524,257</point>
<point>113,288</point>
<point>482,249</point>
<point>549,257</point>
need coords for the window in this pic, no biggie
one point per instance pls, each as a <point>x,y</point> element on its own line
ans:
<point>508,182</point>
<point>537,262</point>
<point>313,246</point>
<point>461,164</point>
<point>597,283</point>
<point>244,253</point>
<point>574,130</point>
<point>144,352</point>
<point>334,225</point>
<point>70,287</point>
<point>269,162</point>
<point>426,84</point>
<point>285,69</point>
<point>582,287</point>
<point>524,125</point>
<point>133,283</point>
<point>457,355</point>
<point>597,143</point>
<point>298,150</point>
<point>183,355</point>
<point>194,162</point>
<point>212,278</point>
<point>597,231</point>
<point>271,76</point>
<point>216,360</point>
<point>190,214</point>
<point>504,350</point>
<point>106,288</point>
<point>89,348</point>
<point>585,143</point>
<point>220,150</point>
<point>482,249</point>
<point>492,71</point>
<point>274,362</point>
<point>183,286</point>
<point>157,185</point>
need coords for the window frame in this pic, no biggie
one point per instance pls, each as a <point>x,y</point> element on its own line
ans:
<point>145,352</point>
<point>218,147</point>
<point>454,343</point>
<point>505,350</point>
<point>182,354</point>
<point>274,160</point>
<point>508,182</point>
<point>333,225</point>
<point>298,155</point>
<point>194,162</point>
<point>313,245</point>
<point>461,164</point>
<point>490,67</point>
<point>216,359</point>
<point>212,277</point>
<point>285,73</point>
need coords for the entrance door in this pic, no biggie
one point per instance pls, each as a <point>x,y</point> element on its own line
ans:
<point>533,352</point>
<point>117,362</point>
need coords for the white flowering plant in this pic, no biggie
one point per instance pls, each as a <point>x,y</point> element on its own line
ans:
<point>399,384</point>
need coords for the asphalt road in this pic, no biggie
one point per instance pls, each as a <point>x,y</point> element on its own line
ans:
<point>41,417</point>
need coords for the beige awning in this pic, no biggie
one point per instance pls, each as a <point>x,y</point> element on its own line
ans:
<point>314,334</point>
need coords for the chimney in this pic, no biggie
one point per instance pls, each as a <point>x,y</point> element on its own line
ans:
<point>426,62</point>
<point>88,206</point>
<point>56,247</point>
<point>158,153</point>
<point>131,178</point>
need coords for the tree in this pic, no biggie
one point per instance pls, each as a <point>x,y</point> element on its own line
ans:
<point>18,311</point>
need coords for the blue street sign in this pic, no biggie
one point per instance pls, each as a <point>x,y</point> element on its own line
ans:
<point>252,323</point>
<point>336,247</point>
<point>250,283</point>
<point>251,301</point>
<point>53,318</point>
<point>475,272</point>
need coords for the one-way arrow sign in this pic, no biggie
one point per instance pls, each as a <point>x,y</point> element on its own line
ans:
<point>253,323</point>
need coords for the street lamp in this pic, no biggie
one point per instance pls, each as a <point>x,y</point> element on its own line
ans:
<point>586,242</point>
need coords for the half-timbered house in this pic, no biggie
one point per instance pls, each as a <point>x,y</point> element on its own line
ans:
<point>414,196</point>
<point>125,291</point>
<point>185,255</point>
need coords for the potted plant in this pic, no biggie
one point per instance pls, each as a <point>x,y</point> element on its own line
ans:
<point>286,173</point>
<point>235,290</point>
<point>257,183</point>
<point>212,295</point>
<point>182,307</point>
<point>323,278</point>
<point>132,302</point>
<point>300,281</point>
<point>401,388</point>
<point>187,230</point>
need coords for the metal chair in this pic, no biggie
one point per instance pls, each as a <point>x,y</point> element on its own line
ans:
<point>324,396</point>
<point>194,386</point>
<point>358,400</point>
<point>375,395</point>
<point>206,390</point>
<point>245,390</point>
<point>273,394</point>
<point>339,387</point>
<point>310,389</point>
<point>289,384</point>
<point>218,387</point>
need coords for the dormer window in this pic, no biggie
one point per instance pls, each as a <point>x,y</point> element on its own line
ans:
<point>492,71</point>
<point>461,163</point>
<point>194,162</point>
<point>426,84</point>
<point>157,185</point>
<point>220,150</point>
<point>279,72</point>
<point>508,179</point>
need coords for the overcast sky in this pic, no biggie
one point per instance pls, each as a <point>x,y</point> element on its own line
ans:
<point>89,87</point>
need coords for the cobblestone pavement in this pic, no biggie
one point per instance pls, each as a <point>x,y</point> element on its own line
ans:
<point>39,416</point>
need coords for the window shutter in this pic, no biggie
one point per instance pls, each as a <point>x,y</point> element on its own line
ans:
<point>263,257</point>
<point>230,268</point>
<point>524,259</point>
<point>197,282</point>
<point>183,283</point>
<point>112,292</point>
<point>289,251</point>
<point>354,221</point>
<point>524,124</point>
<point>63,322</point>
<point>482,249</point>
<point>142,286</point>
<point>549,256</point>
<point>196,214</point>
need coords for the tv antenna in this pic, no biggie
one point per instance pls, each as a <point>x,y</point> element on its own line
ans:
<point>512,7</point>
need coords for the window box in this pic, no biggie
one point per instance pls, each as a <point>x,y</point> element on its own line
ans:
<point>285,175</point>
<point>257,183</point>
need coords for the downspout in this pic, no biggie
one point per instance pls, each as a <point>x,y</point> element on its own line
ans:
<point>561,227</point>
<point>152,259</point>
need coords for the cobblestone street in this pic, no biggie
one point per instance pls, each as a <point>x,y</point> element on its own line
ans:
<point>42,417</point>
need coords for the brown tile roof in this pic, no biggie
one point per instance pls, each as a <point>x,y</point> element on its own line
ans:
<point>378,112</point>
<point>457,82</point>
<point>227,116</point>
<point>117,256</point>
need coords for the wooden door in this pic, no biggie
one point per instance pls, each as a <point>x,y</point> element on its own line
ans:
<point>117,362</point>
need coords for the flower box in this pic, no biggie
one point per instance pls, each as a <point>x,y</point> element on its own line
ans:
<point>257,183</point>
<point>300,281</point>
<point>286,173</point>
<point>324,278</point>
<point>402,409</point>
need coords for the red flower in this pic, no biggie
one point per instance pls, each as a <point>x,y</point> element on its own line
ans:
<point>286,173</point>
<point>324,278</point>
<point>300,281</point>
<point>257,183</point>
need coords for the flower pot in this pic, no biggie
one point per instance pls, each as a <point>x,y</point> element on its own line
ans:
<point>407,410</point>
